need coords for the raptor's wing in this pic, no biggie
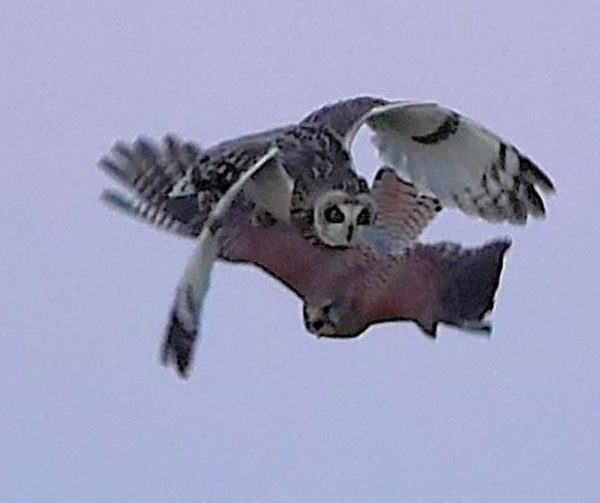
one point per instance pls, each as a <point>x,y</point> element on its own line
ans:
<point>428,284</point>
<point>182,331</point>
<point>158,177</point>
<point>173,185</point>
<point>445,155</point>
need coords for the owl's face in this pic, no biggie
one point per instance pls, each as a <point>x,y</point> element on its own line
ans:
<point>340,218</point>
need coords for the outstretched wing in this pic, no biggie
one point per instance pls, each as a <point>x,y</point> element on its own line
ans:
<point>159,178</point>
<point>182,331</point>
<point>428,284</point>
<point>446,155</point>
<point>174,185</point>
<point>432,284</point>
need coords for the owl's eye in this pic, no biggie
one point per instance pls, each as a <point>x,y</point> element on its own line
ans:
<point>364,217</point>
<point>333,215</point>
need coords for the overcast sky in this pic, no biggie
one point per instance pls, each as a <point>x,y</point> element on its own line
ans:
<point>88,414</point>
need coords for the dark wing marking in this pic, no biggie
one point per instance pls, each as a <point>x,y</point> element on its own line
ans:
<point>459,162</point>
<point>446,155</point>
<point>182,330</point>
<point>152,214</point>
<point>158,178</point>
<point>443,132</point>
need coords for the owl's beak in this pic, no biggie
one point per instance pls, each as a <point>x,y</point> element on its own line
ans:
<point>350,233</point>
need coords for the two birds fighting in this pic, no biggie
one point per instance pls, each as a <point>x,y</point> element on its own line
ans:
<point>290,201</point>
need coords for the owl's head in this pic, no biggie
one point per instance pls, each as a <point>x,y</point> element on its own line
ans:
<point>332,217</point>
<point>330,204</point>
<point>339,218</point>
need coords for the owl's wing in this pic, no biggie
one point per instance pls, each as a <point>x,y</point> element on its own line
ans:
<point>159,179</point>
<point>446,155</point>
<point>167,194</point>
<point>183,326</point>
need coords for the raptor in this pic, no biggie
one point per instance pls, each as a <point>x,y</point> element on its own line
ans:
<point>290,201</point>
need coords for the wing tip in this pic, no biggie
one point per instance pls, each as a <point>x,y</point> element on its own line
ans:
<point>116,200</point>
<point>114,170</point>
<point>536,176</point>
<point>176,350</point>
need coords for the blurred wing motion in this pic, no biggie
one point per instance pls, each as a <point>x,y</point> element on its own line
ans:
<point>445,155</point>
<point>159,178</point>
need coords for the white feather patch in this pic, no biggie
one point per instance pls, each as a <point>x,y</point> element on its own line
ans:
<point>457,160</point>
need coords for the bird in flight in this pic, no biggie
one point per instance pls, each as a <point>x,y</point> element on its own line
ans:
<point>290,201</point>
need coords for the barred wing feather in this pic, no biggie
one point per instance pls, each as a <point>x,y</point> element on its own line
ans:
<point>456,160</point>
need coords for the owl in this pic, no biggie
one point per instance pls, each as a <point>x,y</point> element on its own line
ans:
<point>290,201</point>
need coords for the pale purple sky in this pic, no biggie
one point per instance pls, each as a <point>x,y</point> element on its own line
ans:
<point>270,413</point>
